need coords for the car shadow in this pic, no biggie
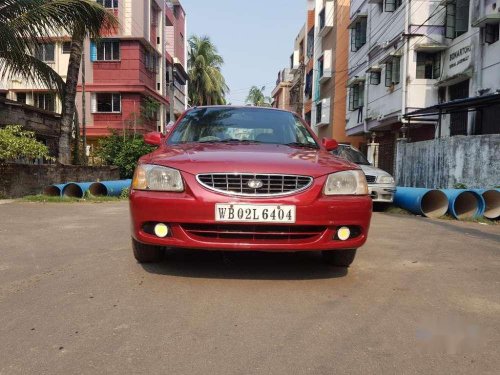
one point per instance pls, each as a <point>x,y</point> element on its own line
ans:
<point>245,265</point>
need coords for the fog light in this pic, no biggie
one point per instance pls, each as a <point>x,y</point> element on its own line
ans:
<point>343,233</point>
<point>161,230</point>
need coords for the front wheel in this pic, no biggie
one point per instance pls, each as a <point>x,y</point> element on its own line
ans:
<point>339,258</point>
<point>147,253</point>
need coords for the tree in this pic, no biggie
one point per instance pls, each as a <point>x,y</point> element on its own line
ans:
<point>26,23</point>
<point>123,151</point>
<point>16,143</point>
<point>207,85</point>
<point>256,97</point>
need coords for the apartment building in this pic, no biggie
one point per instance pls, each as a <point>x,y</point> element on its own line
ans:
<point>316,91</point>
<point>406,56</point>
<point>281,93</point>
<point>297,70</point>
<point>125,75</point>
<point>176,56</point>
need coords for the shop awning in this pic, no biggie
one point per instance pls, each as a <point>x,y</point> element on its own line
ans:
<point>458,105</point>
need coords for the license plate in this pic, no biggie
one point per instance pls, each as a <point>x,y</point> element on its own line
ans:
<point>254,213</point>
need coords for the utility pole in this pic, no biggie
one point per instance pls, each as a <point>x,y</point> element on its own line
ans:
<point>300,108</point>
<point>84,115</point>
<point>171,92</point>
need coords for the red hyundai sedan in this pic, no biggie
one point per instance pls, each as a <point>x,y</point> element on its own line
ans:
<point>247,178</point>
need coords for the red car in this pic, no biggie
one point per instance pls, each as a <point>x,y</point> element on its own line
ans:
<point>247,178</point>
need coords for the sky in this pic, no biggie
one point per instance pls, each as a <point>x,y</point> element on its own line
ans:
<point>255,38</point>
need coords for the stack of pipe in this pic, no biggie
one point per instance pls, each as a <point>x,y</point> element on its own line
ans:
<point>459,203</point>
<point>420,201</point>
<point>78,189</point>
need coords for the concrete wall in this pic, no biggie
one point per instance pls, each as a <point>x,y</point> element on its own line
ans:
<point>18,180</point>
<point>46,125</point>
<point>441,163</point>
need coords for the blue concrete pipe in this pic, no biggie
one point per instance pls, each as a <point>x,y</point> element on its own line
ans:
<point>54,190</point>
<point>76,189</point>
<point>492,202</point>
<point>420,201</point>
<point>464,203</point>
<point>109,188</point>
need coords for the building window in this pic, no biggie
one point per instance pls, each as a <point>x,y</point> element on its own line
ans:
<point>457,18</point>
<point>110,4</point>
<point>459,120</point>
<point>441,95</point>
<point>392,5</point>
<point>21,97</point>
<point>151,61</point>
<point>392,72</point>
<point>322,19</point>
<point>428,65</point>
<point>308,88</point>
<point>45,100</point>
<point>310,43</point>
<point>307,117</point>
<point>375,78</point>
<point>107,103</point>
<point>108,51</point>
<point>321,66</point>
<point>358,34</point>
<point>45,52</point>
<point>66,48</point>
<point>319,114</point>
<point>491,33</point>
<point>356,96</point>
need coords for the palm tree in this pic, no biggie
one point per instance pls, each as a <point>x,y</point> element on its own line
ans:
<point>26,23</point>
<point>256,97</point>
<point>206,82</point>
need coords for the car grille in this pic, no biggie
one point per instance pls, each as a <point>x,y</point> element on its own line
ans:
<point>238,184</point>
<point>253,232</point>
<point>370,179</point>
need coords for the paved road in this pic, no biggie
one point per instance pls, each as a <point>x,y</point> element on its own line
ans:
<point>423,297</point>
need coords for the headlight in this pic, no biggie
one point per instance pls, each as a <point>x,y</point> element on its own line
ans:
<point>346,183</point>
<point>155,177</point>
<point>385,180</point>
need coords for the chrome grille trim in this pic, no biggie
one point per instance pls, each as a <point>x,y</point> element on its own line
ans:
<point>274,185</point>
<point>371,179</point>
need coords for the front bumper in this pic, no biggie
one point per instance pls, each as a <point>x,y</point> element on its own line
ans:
<point>196,206</point>
<point>382,193</point>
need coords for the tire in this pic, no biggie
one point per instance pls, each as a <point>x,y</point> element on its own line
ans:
<point>147,253</point>
<point>339,258</point>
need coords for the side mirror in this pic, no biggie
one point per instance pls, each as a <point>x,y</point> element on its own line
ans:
<point>330,144</point>
<point>153,138</point>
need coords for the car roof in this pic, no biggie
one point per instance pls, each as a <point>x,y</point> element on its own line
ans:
<point>240,107</point>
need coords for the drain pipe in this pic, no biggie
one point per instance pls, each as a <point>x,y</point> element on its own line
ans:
<point>404,100</point>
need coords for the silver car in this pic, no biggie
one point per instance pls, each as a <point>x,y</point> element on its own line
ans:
<point>380,183</point>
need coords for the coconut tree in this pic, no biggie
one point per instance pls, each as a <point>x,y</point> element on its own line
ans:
<point>26,23</point>
<point>207,85</point>
<point>256,97</point>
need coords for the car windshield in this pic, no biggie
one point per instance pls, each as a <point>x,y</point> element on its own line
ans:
<point>351,154</point>
<point>242,125</point>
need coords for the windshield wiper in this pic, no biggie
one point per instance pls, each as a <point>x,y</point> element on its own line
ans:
<point>304,145</point>
<point>234,140</point>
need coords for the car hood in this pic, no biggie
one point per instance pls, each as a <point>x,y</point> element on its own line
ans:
<point>372,171</point>
<point>197,158</point>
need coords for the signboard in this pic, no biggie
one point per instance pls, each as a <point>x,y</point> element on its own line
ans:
<point>458,59</point>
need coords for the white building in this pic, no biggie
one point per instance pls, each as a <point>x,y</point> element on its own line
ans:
<point>409,56</point>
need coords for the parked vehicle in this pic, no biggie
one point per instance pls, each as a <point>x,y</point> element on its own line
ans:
<point>247,178</point>
<point>381,184</point>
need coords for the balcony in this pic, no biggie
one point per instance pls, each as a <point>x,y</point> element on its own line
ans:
<point>325,67</point>
<point>487,15</point>
<point>325,19</point>
<point>323,111</point>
